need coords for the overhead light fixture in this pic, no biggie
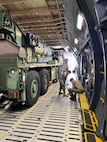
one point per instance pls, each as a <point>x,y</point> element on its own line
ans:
<point>75,50</point>
<point>49,36</point>
<point>37,13</point>
<point>45,28</point>
<point>79,21</point>
<point>39,21</point>
<point>76,41</point>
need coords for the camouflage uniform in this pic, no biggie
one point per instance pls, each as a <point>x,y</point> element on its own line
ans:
<point>62,79</point>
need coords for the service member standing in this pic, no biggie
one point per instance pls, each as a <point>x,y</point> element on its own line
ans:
<point>62,79</point>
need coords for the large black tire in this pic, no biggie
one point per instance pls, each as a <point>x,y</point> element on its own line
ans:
<point>44,77</point>
<point>32,88</point>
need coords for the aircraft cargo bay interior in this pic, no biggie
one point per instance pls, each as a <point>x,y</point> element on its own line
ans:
<point>53,56</point>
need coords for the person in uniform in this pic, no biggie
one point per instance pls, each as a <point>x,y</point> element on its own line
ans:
<point>62,79</point>
<point>76,88</point>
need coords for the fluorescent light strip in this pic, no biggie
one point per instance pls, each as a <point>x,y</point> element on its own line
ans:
<point>79,21</point>
<point>76,41</point>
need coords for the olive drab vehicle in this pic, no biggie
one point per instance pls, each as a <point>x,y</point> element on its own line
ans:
<point>26,65</point>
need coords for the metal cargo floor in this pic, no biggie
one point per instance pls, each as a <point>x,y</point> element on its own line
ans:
<point>53,118</point>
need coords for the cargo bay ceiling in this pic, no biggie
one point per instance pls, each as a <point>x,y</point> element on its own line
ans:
<point>52,21</point>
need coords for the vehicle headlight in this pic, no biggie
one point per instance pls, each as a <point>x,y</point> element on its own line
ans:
<point>12,71</point>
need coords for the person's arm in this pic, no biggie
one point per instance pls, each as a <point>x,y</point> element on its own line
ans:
<point>73,85</point>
